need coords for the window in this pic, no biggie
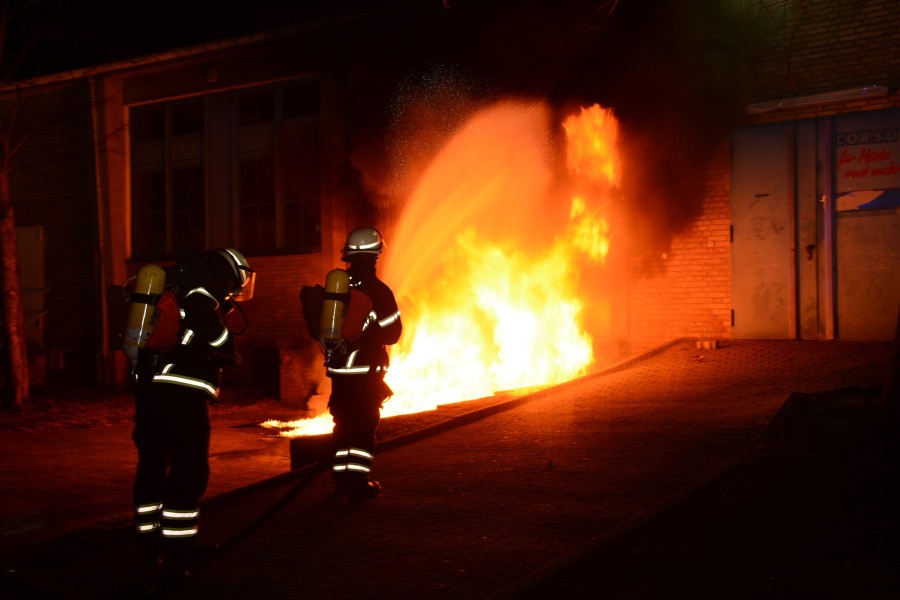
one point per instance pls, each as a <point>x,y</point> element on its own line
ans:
<point>257,213</point>
<point>238,168</point>
<point>188,207</point>
<point>167,191</point>
<point>256,107</point>
<point>187,118</point>
<point>278,169</point>
<point>301,100</point>
<point>148,214</point>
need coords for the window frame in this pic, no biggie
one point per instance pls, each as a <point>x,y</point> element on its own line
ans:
<point>160,146</point>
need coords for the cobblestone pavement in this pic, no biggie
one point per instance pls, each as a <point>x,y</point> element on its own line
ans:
<point>499,498</point>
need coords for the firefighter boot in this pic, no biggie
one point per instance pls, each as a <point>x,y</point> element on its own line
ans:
<point>151,546</point>
<point>181,559</point>
<point>368,489</point>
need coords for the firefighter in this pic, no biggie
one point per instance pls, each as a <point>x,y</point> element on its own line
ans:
<point>173,384</point>
<point>357,371</point>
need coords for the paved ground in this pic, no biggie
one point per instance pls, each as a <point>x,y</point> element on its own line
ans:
<point>758,470</point>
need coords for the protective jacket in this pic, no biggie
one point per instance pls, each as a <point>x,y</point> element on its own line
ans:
<point>382,328</point>
<point>204,343</point>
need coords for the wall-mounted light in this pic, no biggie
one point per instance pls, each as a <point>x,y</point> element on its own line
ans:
<point>866,91</point>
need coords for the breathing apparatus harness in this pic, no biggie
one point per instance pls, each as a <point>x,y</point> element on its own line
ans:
<point>155,291</point>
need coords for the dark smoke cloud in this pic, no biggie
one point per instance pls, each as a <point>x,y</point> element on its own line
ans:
<point>666,68</point>
<point>676,93</point>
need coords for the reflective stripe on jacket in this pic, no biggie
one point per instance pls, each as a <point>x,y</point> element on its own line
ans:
<point>382,328</point>
<point>202,337</point>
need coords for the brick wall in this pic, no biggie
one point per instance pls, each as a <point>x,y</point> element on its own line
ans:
<point>792,48</point>
<point>274,313</point>
<point>277,355</point>
<point>796,48</point>
<point>686,290</point>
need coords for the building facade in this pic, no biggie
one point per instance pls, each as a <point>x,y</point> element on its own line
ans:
<point>245,143</point>
<point>799,233</point>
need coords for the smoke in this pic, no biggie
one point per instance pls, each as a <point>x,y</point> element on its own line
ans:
<point>676,90</point>
<point>667,69</point>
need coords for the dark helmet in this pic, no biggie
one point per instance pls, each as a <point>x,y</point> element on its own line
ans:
<point>224,272</point>
<point>362,241</point>
<point>242,276</point>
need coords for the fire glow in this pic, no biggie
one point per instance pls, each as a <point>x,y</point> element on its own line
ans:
<point>488,256</point>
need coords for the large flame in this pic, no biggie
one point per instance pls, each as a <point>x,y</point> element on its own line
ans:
<point>487,260</point>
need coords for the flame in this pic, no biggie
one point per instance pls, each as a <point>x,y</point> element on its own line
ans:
<point>592,138</point>
<point>486,260</point>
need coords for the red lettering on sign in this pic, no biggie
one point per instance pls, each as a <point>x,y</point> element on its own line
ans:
<point>851,173</point>
<point>846,157</point>
<point>869,156</point>
<point>891,169</point>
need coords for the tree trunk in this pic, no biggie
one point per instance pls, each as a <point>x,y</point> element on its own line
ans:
<point>16,391</point>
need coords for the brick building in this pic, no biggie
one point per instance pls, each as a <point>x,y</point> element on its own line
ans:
<point>776,253</point>
<point>251,141</point>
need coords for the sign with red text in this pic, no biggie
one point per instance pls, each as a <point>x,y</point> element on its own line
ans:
<point>867,162</point>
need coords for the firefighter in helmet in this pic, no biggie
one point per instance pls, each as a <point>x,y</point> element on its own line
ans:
<point>357,372</point>
<point>174,382</point>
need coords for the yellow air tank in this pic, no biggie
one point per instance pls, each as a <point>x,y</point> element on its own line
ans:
<point>150,284</point>
<point>337,299</point>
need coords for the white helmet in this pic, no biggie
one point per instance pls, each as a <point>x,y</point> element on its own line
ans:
<point>362,240</point>
<point>245,277</point>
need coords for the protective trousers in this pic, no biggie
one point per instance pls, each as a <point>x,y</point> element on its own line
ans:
<point>355,407</point>
<point>171,433</point>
